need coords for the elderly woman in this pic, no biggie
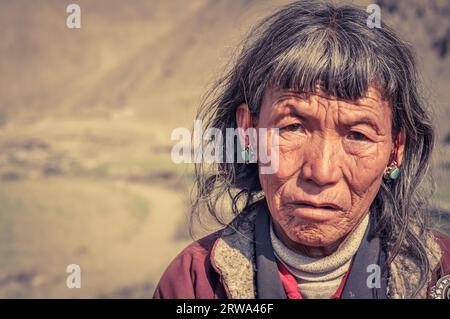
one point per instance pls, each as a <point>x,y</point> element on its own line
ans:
<point>344,214</point>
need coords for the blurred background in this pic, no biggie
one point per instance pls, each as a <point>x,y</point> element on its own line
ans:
<point>85,122</point>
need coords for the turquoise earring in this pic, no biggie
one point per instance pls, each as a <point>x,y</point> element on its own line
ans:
<point>393,171</point>
<point>246,155</point>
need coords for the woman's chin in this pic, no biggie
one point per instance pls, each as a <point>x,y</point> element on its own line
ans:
<point>315,237</point>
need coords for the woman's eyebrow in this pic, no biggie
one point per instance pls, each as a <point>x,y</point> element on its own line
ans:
<point>281,109</point>
<point>294,95</point>
<point>284,102</point>
<point>364,120</point>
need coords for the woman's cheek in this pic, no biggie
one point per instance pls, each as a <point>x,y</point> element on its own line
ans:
<point>363,186</point>
<point>360,149</point>
<point>272,186</point>
<point>365,165</point>
<point>290,156</point>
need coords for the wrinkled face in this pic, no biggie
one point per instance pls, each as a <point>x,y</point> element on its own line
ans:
<point>332,156</point>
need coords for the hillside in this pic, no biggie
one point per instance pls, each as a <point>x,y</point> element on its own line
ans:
<point>85,123</point>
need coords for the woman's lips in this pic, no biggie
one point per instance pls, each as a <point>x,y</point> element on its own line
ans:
<point>315,211</point>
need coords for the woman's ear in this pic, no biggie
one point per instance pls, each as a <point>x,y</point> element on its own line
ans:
<point>244,117</point>
<point>244,121</point>
<point>399,146</point>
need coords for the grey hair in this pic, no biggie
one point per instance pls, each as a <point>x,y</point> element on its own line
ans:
<point>313,42</point>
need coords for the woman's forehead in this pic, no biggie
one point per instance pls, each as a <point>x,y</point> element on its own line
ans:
<point>281,102</point>
<point>276,96</point>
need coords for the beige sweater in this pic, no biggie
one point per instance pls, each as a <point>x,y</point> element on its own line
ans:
<point>319,278</point>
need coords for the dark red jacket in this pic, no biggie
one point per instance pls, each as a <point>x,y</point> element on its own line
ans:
<point>193,274</point>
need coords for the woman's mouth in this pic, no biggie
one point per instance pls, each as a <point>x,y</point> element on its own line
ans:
<point>318,211</point>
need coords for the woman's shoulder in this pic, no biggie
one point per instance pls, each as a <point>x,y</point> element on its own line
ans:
<point>200,248</point>
<point>190,274</point>
<point>444,243</point>
<point>197,251</point>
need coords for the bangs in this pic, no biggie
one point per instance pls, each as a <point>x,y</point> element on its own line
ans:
<point>339,64</point>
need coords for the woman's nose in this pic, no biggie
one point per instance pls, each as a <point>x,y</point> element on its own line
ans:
<point>322,163</point>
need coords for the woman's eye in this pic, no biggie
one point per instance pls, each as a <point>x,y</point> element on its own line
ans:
<point>357,136</point>
<point>293,127</point>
